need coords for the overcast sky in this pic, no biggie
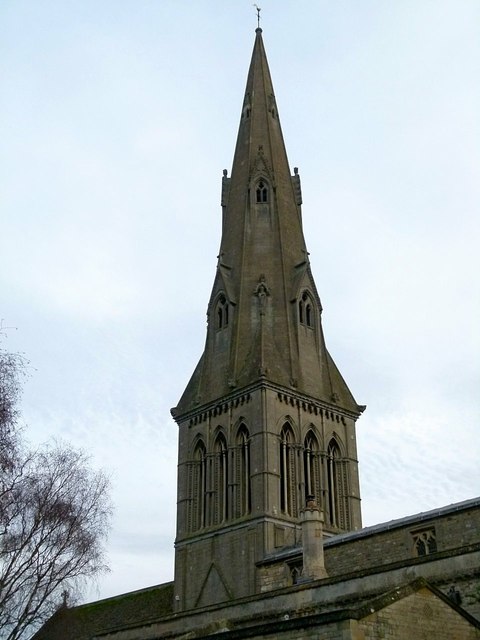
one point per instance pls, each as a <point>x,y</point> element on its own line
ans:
<point>116,121</point>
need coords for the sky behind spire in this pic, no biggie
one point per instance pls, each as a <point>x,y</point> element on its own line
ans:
<point>116,120</point>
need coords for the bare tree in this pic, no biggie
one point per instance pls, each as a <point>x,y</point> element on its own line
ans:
<point>54,517</point>
<point>12,370</point>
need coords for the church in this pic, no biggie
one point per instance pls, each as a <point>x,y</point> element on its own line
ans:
<point>269,540</point>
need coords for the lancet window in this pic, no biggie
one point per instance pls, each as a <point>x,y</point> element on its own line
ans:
<point>221,312</point>
<point>261,192</point>
<point>337,482</point>
<point>288,475</point>
<point>197,487</point>
<point>242,473</point>
<point>312,467</point>
<point>305,310</point>
<point>220,480</point>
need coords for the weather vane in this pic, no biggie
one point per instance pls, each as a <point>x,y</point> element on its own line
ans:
<point>258,14</point>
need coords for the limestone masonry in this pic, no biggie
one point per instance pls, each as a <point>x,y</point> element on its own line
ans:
<point>269,540</point>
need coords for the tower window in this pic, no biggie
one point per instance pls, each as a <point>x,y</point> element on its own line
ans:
<point>198,486</point>
<point>242,472</point>
<point>288,474</point>
<point>308,315</point>
<point>337,483</point>
<point>262,192</point>
<point>222,313</point>
<point>333,454</point>
<point>220,480</point>
<point>312,467</point>
<point>305,310</point>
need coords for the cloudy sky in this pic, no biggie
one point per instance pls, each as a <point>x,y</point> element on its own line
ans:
<point>116,121</point>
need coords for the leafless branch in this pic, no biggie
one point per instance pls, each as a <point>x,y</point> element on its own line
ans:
<point>54,518</point>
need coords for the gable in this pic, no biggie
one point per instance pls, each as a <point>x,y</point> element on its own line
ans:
<point>421,614</point>
<point>214,588</point>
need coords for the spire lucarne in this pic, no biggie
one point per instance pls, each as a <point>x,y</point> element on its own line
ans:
<point>266,417</point>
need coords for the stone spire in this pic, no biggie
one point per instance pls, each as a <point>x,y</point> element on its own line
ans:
<point>264,314</point>
<point>266,419</point>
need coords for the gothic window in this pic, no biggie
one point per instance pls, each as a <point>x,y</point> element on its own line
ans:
<point>308,314</point>
<point>295,574</point>
<point>198,487</point>
<point>220,480</point>
<point>311,467</point>
<point>246,106</point>
<point>261,192</point>
<point>305,310</point>
<point>242,472</point>
<point>338,513</point>
<point>221,313</point>
<point>424,542</point>
<point>288,479</point>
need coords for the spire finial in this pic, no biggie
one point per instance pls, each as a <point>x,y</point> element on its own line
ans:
<point>258,15</point>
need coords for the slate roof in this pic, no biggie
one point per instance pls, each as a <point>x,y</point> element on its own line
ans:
<point>88,620</point>
<point>416,518</point>
<point>349,536</point>
<point>150,605</point>
<point>354,608</point>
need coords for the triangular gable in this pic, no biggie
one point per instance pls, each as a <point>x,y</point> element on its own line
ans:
<point>421,601</point>
<point>214,583</point>
<point>303,279</point>
<point>223,282</point>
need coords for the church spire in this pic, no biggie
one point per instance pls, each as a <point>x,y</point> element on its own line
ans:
<point>264,314</point>
<point>266,419</point>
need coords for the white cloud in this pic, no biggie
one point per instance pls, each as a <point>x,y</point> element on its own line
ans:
<point>115,132</point>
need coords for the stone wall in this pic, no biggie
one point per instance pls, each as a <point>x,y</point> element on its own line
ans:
<point>468,588</point>
<point>396,544</point>
<point>443,546</point>
<point>422,616</point>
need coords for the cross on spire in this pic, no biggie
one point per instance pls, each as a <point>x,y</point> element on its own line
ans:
<point>258,14</point>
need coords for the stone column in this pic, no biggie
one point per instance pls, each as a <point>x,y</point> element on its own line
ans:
<point>312,540</point>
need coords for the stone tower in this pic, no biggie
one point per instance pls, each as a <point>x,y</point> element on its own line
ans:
<point>266,419</point>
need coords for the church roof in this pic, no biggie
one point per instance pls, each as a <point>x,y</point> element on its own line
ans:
<point>89,620</point>
<point>414,519</point>
<point>148,606</point>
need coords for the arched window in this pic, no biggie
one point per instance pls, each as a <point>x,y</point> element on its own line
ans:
<point>311,467</point>
<point>333,453</point>
<point>295,574</point>
<point>242,472</point>
<point>198,487</point>
<point>305,310</point>
<point>338,513</point>
<point>220,480</point>
<point>261,192</point>
<point>288,476</point>
<point>424,542</point>
<point>308,315</point>
<point>221,313</point>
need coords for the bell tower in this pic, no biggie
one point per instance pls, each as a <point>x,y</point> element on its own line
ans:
<point>266,419</point>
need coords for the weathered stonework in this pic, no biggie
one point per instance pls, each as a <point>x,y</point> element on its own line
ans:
<point>202,551</point>
<point>266,419</point>
<point>269,540</point>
